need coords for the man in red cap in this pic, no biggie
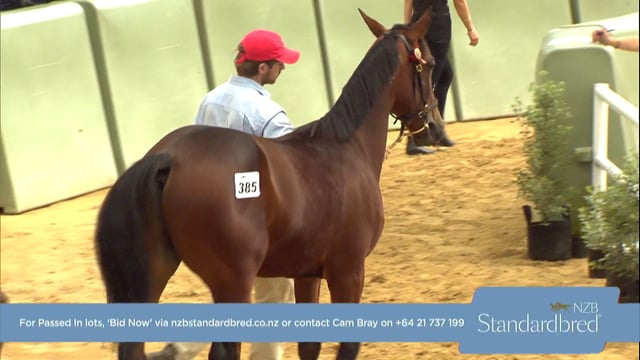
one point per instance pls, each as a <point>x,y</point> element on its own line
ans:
<point>242,103</point>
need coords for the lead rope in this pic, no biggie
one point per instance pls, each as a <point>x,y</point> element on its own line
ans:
<point>398,140</point>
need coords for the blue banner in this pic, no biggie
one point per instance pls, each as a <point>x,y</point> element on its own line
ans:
<point>515,320</point>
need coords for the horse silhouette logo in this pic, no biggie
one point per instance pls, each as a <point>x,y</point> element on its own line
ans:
<point>559,306</point>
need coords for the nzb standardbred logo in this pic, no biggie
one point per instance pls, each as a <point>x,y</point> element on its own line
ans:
<point>564,318</point>
<point>547,320</point>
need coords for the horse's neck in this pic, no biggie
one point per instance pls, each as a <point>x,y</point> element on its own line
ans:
<point>372,133</point>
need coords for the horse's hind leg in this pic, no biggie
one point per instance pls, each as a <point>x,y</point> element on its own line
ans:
<point>3,299</point>
<point>308,291</point>
<point>160,275</point>
<point>231,292</point>
<point>228,286</point>
<point>345,286</point>
<point>226,351</point>
<point>348,350</point>
<point>163,263</point>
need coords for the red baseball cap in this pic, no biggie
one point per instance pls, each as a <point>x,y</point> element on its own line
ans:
<point>264,45</point>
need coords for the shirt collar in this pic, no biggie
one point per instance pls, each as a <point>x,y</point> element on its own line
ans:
<point>249,83</point>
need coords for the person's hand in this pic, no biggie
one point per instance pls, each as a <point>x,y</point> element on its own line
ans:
<point>474,38</point>
<point>387,151</point>
<point>601,35</point>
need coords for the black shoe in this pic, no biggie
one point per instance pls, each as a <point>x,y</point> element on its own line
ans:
<point>168,353</point>
<point>445,141</point>
<point>415,150</point>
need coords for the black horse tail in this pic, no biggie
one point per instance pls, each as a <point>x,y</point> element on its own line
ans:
<point>131,212</point>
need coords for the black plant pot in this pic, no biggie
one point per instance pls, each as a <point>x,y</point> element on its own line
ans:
<point>549,241</point>
<point>595,255</point>
<point>628,288</point>
<point>579,249</point>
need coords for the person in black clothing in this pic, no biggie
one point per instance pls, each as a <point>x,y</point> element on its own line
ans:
<point>16,4</point>
<point>439,38</point>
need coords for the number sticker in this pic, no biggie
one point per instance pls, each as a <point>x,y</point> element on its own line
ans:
<point>247,184</point>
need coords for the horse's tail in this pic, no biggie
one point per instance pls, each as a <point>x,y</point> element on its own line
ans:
<point>131,212</point>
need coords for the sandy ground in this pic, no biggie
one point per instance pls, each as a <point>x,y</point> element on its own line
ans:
<point>453,224</point>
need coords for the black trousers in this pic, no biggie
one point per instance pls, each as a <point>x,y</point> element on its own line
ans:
<point>439,38</point>
<point>442,75</point>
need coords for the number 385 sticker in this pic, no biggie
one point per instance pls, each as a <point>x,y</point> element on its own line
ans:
<point>247,184</point>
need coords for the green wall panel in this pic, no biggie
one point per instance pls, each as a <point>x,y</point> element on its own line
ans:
<point>500,68</point>
<point>54,142</point>
<point>347,36</point>
<point>301,88</point>
<point>152,69</point>
<point>598,9</point>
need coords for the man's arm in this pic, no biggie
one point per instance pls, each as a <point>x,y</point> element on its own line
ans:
<point>408,10</point>
<point>277,126</point>
<point>602,36</point>
<point>462,8</point>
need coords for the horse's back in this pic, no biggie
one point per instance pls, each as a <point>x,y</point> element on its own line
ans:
<point>204,161</point>
<point>202,139</point>
<point>311,199</point>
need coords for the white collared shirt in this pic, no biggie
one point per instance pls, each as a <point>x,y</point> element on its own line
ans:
<point>243,104</point>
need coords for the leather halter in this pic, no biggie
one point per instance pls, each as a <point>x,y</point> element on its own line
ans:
<point>415,56</point>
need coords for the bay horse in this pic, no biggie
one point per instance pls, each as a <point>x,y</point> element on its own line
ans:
<point>312,208</point>
<point>3,300</point>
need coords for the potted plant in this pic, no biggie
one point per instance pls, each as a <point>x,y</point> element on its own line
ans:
<point>546,131</point>
<point>609,223</point>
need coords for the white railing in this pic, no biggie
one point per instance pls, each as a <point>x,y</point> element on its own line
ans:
<point>603,98</point>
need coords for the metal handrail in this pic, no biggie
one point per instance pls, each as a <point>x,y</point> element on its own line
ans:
<point>603,99</point>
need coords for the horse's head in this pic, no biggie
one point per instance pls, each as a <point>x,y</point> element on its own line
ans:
<point>415,104</point>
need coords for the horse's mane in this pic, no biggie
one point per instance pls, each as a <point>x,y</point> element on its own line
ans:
<point>372,75</point>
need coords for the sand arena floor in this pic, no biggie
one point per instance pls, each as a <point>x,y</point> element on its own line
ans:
<point>453,224</point>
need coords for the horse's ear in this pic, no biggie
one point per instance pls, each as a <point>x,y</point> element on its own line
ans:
<point>376,28</point>
<point>419,28</point>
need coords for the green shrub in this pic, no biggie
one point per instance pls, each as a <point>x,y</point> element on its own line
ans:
<point>546,133</point>
<point>610,222</point>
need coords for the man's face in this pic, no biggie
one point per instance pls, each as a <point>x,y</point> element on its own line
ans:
<point>271,71</point>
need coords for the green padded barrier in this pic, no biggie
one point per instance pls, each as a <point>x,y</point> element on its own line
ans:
<point>568,55</point>
<point>598,9</point>
<point>500,68</point>
<point>301,88</point>
<point>54,142</point>
<point>625,65</point>
<point>151,67</point>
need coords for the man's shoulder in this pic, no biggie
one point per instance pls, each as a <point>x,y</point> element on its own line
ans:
<point>218,91</point>
<point>254,100</point>
<point>247,100</point>
<point>265,108</point>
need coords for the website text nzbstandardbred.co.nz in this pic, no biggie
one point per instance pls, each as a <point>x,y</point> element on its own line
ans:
<point>272,323</point>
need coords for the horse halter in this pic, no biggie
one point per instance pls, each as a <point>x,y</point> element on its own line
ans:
<point>415,57</point>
